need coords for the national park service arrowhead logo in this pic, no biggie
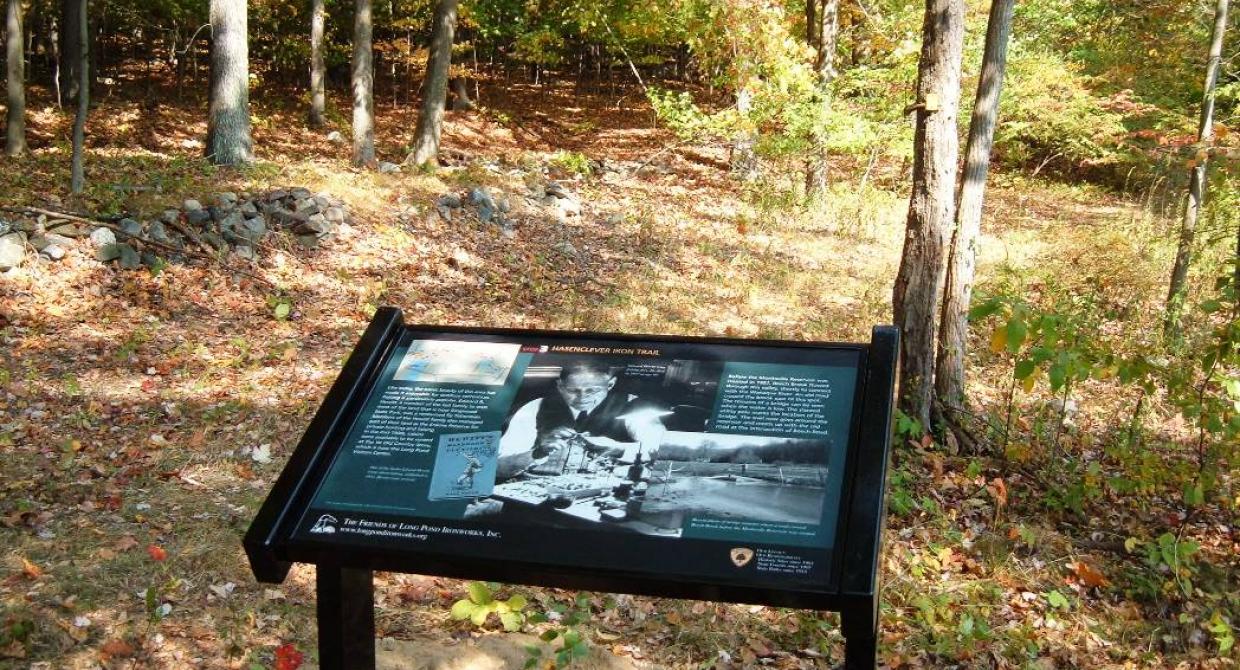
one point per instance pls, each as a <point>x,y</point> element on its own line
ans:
<point>741,556</point>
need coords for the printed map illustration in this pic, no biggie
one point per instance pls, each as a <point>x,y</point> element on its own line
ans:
<point>457,362</point>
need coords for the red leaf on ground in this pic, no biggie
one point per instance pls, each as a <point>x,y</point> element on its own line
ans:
<point>157,552</point>
<point>287,657</point>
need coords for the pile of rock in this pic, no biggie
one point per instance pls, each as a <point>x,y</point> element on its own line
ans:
<point>228,224</point>
<point>483,204</point>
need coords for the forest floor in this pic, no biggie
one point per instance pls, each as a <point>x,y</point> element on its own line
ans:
<point>146,415</point>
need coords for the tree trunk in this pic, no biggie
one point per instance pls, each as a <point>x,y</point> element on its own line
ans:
<point>811,23</point>
<point>70,57</point>
<point>77,179</point>
<point>318,96</point>
<point>460,95</point>
<point>954,332</point>
<point>827,37</point>
<point>1196,177</point>
<point>15,59</point>
<point>435,90</point>
<point>363,87</point>
<point>228,123</point>
<point>919,285</point>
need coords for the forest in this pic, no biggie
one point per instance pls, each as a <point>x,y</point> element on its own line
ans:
<point>204,202</point>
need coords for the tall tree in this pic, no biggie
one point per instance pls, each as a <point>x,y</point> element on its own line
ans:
<point>1196,175</point>
<point>824,39</point>
<point>954,332</point>
<point>15,122</point>
<point>919,285</point>
<point>228,123</point>
<point>70,59</point>
<point>363,86</point>
<point>318,97</point>
<point>77,179</point>
<point>435,90</point>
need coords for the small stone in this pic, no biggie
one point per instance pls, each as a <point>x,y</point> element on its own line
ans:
<point>102,237</point>
<point>157,232</point>
<point>505,206</point>
<point>315,224</point>
<point>26,226</point>
<point>40,242</point>
<point>129,258</point>
<point>335,214</point>
<point>248,209</point>
<point>225,199</point>
<point>252,228</point>
<point>53,252</point>
<point>322,201</point>
<point>278,194</point>
<point>70,230</point>
<point>555,189</point>
<point>566,248</point>
<point>479,196</point>
<point>150,260</point>
<point>170,216</point>
<point>308,241</point>
<point>216,241</point>
<point>246,253</point>
<point>231,221</point>
<point>5,227</point>
<point>335,136</point>
<point>197,217</point>
<point>108,252</point>
<point>388,168</point>
<point>12,250</point>
<point>449,200</point>
<point>444,213</point>
<point>485,213</point>
<point>307,207</point>
<point>300,193</point>
<point>191,205</point>
<point>130,228</point>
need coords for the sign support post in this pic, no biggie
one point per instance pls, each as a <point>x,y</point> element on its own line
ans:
<point>346,617</point>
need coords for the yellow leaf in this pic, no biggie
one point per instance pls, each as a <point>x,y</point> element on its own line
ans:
<point>998,339</point>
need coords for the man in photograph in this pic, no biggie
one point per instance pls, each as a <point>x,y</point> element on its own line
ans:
<point>584,409</point>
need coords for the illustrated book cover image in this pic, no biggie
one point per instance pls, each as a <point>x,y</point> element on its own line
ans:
<point>443,361</point>
<point>465,465</point>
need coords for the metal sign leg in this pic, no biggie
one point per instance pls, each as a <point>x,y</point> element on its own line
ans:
<point>346,613</point>
<point>859,623</point>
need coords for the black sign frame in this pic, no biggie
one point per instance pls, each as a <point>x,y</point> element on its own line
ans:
<point>344,578</point>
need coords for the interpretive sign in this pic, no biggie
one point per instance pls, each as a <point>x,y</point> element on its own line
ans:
<point>748,471</point>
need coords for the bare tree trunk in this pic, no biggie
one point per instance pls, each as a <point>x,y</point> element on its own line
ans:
<point>435,90</point>
<point>318,96</point>
<point>460,94</point>
<point>811,23</point>
<point>827,37</point>
<point>954,332</point>
<point>1196,177</point>
<point>363,87</point>
<point>77,179</point>
<point>53,40</point>
<point>919,285</point>
<point>15,59</point>
<point>228,123</point>
<point>70,59</point>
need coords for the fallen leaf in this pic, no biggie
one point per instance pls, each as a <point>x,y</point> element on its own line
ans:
<point>117,648</point>
<point>157,552</point>
<point>1088,575</point>
<point>31,570</point>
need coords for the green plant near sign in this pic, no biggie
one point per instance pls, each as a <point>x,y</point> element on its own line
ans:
<point>482,603</point>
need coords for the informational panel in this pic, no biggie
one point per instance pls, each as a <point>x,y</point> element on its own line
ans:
<point>720,463</point>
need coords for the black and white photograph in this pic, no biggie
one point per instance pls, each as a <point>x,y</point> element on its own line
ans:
<point>623,442</point>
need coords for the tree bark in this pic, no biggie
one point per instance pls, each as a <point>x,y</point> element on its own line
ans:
<point>918,288</point>
<point>15,59</point>
<point>228,123</point>
<point>435,90</point>
<point>70,57</point>
<point>363,87</point>
<point>827,37</point>
<point>811,23</point>
<point>77,179</point>
<point>961,265</point>
<point>460,94</point>
<point>318,95</point>
<point>1196,178</point>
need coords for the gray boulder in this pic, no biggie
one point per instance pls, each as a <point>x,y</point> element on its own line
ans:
<point>197,217</point>
<point>335,214</point>
<point>248,209</point>
<point>102,237</point>
<point>157,232</point>
<point>52,252</point>
<point>225,199</point>
<point>12,250</point>
<point>129,258</point>
<point>191,205</point>
<point>130,228</point>
<point>388,168</point>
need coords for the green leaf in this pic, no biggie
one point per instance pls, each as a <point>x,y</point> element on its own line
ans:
<point>549,635</point>
<point>462,609</point>
<point>1194,494</point>
<point>479,593</point>
<point>1016,332</point>
<point>533,650</point>
<point>479,615</point>
<point>1024,368</point>
<point>984,309</point>
<point>571,638</point>
<point>1058,375</point>
<point>511,621</point>
<point>517,602</point>
<point>282,310</point>
<point>1057,600</point>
